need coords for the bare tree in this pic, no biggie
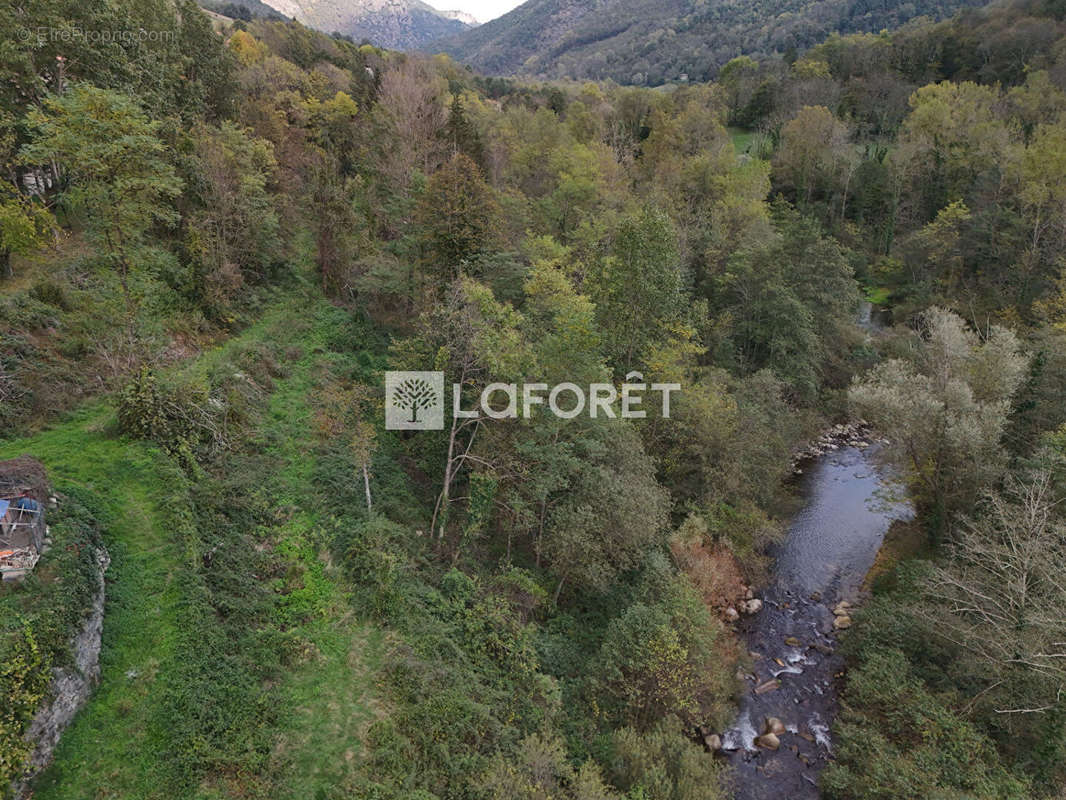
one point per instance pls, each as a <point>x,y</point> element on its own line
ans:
<point>1001,596</point>
<point>345,411</point>
<point>412,106</point>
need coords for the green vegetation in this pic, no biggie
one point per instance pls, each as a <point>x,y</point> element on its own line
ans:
<point>40,615</point>
<point>219,242</point>
<point>136,492</point>
<point>165,595</point>
<point>652,43</point>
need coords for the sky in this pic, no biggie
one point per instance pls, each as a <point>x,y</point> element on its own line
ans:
<point>483,10</point>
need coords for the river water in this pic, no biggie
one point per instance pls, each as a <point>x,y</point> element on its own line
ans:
<point>823,559</point>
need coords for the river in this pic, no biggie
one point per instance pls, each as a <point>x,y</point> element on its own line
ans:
<point>823,559</point>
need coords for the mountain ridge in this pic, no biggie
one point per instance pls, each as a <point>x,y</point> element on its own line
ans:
<point>650,42</point>
<point>394,24</point>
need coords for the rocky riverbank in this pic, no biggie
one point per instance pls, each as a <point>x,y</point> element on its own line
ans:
<point>856,434</point>
<point>781,739</point>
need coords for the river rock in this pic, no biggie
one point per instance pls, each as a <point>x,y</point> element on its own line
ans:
<point>842,623</point>
<point>749,594</point>
<point>731,614</point>
<point>752,606</point>
<point>792,641</point>
<point>713,742</point>
<point>774,726</point>
<point>769,686</point>
<point>842,609</point>
<point>768,741</point>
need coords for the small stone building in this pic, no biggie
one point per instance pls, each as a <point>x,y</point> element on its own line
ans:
<point>23,492</point>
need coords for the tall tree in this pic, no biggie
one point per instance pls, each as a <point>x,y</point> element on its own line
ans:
<point>457,217</point>
<point>235,233</point>
<point>1001,593</point>
<point>461,134</point>
<point>944,408</point>
<point>638,288</point>
<point>815,156</point>
<point>113,165</point>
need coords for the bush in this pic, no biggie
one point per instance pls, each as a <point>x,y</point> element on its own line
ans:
<point>146,411</point>
<point>663,764</point>
<point>659,657</point>
<point>897,740</point>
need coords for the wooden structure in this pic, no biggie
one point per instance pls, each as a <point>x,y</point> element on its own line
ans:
<point>23,491</point>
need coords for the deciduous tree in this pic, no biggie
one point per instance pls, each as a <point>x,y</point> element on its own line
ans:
<point>944,408</point>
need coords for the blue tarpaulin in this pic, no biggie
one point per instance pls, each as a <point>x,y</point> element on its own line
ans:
<point>3,508</point>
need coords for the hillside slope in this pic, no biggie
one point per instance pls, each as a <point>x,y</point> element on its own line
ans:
<point>395,24</point>
<point>656,41</point>
<point>246,10</point>
<point>190,641</point>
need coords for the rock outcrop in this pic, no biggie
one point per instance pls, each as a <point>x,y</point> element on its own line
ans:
<point>70,687</point>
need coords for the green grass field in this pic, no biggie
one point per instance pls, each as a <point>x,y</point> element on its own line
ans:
<point>742,139</point>
<point>109,743</point>
<point>878,295</point>
<point>115,747</point>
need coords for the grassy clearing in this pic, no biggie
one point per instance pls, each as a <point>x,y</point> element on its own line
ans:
<point>331,700</point>
<point>878,295</point>
<point>110,742</point>
<point>118,747</point>
<point>742,139</point>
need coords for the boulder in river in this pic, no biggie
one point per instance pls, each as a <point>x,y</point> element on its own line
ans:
<point>792,641</point>
<point>842,609</point>
<point>774,726</point>
<point>768,741</point>
<point>713,742</point>
<point>752,606</point>
<point>842,623</point>
<point>731,614</point>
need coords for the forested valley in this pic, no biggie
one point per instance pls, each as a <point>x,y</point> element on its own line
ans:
<point>217,236</point>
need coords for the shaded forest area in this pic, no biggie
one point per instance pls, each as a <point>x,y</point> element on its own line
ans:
<point>215,243</point>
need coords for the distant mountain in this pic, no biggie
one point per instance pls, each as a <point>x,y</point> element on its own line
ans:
<point>395,24</point>
<point>655,41</point>
<point>462,16</point>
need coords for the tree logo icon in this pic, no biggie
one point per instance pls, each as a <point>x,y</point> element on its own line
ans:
<point>414,401</point>
<point>415,394</point>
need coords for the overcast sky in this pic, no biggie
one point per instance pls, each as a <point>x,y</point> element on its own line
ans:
<point>483,10</point>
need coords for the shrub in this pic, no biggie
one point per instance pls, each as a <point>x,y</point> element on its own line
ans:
<point>662,764</point>
<point>897,740</point>
<point>659,657</point>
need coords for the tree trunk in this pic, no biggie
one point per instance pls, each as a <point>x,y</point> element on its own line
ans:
<point>366,485</point>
